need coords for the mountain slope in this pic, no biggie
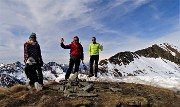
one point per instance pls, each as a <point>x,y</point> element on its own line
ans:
<point>146,61</point>
<point>164,51</point>
<point>158,65</point>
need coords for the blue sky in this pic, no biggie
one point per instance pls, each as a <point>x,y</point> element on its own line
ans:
<point>119,25</point>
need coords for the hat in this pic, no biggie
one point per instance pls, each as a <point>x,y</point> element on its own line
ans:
<point>33,35</point>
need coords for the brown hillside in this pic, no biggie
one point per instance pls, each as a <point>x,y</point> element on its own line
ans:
<point>109,95</point>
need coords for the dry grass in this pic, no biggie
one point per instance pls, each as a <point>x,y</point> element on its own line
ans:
<point>75,102</point>
<point>129,99</point>
<point>44,101</point>
<point>20,96</point>
<point>18,88</point>
<point>2,89</point>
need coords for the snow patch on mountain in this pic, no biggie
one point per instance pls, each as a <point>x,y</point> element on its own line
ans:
<point>52,74</point>
<point>156,72</point>
<point>15,73</point>
<point>8,81</point>
<point>1,65</point>
<point>146,66</point>
<point>172,83</point>
<point>170,48</point>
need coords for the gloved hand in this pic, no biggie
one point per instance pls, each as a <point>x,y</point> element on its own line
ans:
<point>62,40</point>
<point>30,61</point>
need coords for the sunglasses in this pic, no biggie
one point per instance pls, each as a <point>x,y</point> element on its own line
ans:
<point>75,40</point>
<point>32,37</point>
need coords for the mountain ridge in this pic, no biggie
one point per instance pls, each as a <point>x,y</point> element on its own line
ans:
<point>155,51</point>
<point>156,61</point>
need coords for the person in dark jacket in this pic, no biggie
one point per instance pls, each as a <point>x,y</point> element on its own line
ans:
<point>33,61</point>
<point>76,54</point>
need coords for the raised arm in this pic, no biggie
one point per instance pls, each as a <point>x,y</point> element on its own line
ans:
<point>65,46</point>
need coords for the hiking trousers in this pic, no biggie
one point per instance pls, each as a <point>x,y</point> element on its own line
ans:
<point>39,74</point>
<point>94,58</point>
<point>72,62</point>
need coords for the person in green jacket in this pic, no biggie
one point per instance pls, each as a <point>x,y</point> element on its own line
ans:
<point>94,48</point>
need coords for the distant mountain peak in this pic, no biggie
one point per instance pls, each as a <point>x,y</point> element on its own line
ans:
<point>163,59</point>
<point>165,51</point>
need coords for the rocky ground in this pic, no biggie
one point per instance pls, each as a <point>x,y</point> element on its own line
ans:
<point>108,95</point>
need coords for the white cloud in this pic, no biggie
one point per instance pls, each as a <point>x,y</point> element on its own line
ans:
<point>49,19</point>
<point>53,19</point>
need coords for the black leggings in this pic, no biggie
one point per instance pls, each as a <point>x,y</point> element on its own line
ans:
<point>39,74</point>
<point>34,73</point>
<point>92,59</point>
<point>71,64</point>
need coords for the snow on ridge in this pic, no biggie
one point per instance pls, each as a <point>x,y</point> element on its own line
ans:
<point>172,83</point>
<point>156,72</point>
<point>147,66</point>
<point>164,46</point>
<point>2,65</point>
<point>17,71</point>
<point>173,53</point>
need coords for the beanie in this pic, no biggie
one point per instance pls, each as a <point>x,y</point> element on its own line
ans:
<point>33,35</point>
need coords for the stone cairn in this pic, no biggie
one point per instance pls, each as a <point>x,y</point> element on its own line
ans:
<point>74,87</point>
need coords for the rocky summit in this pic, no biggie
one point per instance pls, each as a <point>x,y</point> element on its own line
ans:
<point>103,94</point>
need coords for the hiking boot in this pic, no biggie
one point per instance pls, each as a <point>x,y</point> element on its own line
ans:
<point>90,75</point>
<point>95,74</point>
<point>38,86</point>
